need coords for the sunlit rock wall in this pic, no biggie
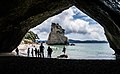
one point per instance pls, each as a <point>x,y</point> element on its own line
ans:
<point>56,36</point>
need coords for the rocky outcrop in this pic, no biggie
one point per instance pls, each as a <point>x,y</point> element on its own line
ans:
<point>56,36</point>
<point>18,16</point>
<point>31,36</point>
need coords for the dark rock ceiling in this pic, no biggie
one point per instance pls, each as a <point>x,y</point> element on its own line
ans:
<point>18,16</point>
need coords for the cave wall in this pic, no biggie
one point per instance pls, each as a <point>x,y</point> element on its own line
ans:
<point>107,14</point>
<point>18,16</point>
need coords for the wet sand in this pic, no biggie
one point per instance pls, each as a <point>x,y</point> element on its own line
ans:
<point>30,65</point>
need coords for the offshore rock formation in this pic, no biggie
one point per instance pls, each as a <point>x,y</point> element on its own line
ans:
<point>56,35</point>
<point>18,16</point>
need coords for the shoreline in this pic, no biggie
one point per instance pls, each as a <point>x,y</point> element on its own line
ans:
<point>57,52</point>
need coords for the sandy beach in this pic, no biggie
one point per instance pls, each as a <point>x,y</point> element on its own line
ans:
<point>23,48</point>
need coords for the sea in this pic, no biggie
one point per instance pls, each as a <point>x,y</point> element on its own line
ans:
<point>86,51</point>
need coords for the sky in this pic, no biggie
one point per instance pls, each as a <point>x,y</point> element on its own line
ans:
<point>77,25</point>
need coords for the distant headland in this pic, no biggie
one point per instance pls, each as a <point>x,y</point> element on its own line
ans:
<point>86,41</point>
<point>79,41</point>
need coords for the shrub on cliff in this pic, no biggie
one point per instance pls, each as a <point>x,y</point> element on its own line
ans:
<point>31,36</point>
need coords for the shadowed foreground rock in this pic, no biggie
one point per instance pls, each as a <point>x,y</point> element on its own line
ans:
<point>23,65</point>
<point>18,16</point>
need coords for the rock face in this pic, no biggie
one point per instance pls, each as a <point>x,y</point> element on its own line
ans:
<point>107,14</point>
<point>18,16</point>
<point>56,35</point>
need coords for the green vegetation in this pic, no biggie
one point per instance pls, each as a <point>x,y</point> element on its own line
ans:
<point>31,36</point>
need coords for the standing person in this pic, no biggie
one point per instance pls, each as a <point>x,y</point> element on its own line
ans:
<point>28,52</point>
<point>32,52</point>
<point>41,50</point>
<point>64,50</point>
<point>49,51</point>
<point>17,51</point>
<point>36,52</point>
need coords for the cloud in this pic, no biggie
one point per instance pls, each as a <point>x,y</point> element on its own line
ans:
<point>77,25</point>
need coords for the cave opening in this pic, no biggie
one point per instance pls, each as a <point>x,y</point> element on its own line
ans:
<point>78,26</point>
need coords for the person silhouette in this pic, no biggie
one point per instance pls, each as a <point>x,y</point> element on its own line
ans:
<point>36,51</point>
<point>28,52</point>
<point>64,50</point>
<point>49,51</point>
<point>32,52</point>
<point>17,51</point>
<point>41,50</point>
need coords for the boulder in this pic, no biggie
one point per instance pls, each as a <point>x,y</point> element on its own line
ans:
<point>62,56</point>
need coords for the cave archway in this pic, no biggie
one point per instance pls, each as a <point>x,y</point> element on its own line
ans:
<point>106,13</point>
<point>73,21</point>
<point>77,28</point>
<point>18,17</point>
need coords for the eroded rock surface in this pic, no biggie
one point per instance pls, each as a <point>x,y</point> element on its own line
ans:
<point>56,36</point>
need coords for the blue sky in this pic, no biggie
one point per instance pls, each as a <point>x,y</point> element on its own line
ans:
<point>77,26</point>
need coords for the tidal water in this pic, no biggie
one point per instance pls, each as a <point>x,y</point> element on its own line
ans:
<point>100,51</point>
<point>94,51</point>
